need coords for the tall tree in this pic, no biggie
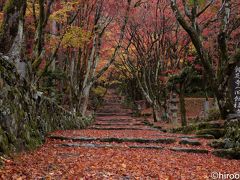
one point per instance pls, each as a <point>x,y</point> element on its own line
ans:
<point>194,23</point>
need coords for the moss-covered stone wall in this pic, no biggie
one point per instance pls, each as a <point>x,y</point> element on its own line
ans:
<point>26,116</point>
<point>24,125</point>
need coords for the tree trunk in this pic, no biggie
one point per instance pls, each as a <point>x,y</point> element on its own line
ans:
<point>15,52</point>
<point>13,12</point>
<point>155,110</point>
<point>84,100</point>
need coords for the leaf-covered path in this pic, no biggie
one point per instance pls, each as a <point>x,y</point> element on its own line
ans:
<point>118,146</point>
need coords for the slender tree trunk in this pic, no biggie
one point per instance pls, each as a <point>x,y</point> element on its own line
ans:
<point>85,99</point>
<point>155,110</point>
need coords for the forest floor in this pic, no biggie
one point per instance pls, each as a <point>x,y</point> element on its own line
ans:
<point>118,146</point>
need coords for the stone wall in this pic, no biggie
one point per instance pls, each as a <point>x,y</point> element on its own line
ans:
<point>24,123</point>
<point>195,106</point>
<point>26,116</point>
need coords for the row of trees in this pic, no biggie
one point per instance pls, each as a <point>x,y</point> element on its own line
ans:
<point>62,48</point>
<point>171,45</point>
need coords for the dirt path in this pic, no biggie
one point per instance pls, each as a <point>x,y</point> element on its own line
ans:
<point>118,146</point>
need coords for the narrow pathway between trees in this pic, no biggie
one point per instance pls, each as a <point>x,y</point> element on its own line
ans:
<point>118,146</point>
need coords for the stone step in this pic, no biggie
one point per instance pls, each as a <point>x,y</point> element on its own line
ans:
<point>92,145</point>
<point>204,136</point>
<point>122,128</point>
<point>189,142</point>
<point>114,139</point>
<point>189,150</point>
<point>113,111</point>
<point>113,114</point>
<point>112,101</point>
<point>124,119</point>
<point>114,106</point>
<point>118,124</point>
<point>113,97</point>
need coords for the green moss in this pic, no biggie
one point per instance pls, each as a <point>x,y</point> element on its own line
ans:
<point>214,114</point>
<point>209,125</point>
<point>228,153</point>
<point>4,144</point>
<point>9,5</point>
<point>217,133</point>
<point>186,130</point>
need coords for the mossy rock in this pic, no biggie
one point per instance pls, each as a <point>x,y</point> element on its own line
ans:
<point>198,126</point>
<point>227,153</point>
<point>219,143</point>
<point>210,125</point>
<point>186,130</point>
<point>214,114</point>
<point>217,133</point>
<point>225,143</point>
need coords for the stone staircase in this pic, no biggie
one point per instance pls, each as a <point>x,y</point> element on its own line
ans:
<point>115,127</point>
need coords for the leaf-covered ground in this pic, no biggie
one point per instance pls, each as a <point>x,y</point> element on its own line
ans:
<point>116,154</point>
<point>57,162</point>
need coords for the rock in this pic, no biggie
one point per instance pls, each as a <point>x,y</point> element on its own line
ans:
<point>233,116</point>
<point>211,124</point>
<point>223,144</point>
<point>72,138</point>
<point>190,142</point>
<point>217,143</point>
<point>217,133</point>
<point>189,150</point>
<point>227,153</point>
<point>232,136</point>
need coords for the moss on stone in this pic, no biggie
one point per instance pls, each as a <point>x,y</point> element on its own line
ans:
<point>4,144</point>
<point>217,133</point>
<point>228,153</point>
<point>25,122</point>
